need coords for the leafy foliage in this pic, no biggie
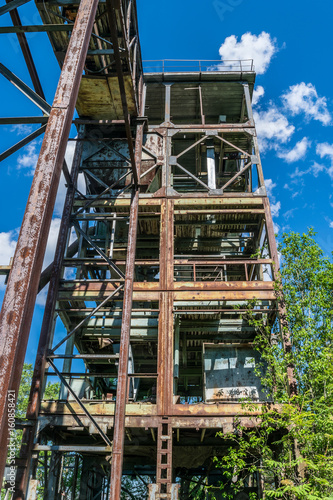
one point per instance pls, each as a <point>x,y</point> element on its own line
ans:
<point>291,446</point>
<point>51,392</point>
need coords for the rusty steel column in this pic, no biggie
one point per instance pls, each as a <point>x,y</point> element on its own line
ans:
<point>20,296</point>
<point>119,418</point>
<point>120,410</point>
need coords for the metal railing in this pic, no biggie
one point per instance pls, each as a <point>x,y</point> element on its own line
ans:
<point>227,270</point>
<point>196,66</point>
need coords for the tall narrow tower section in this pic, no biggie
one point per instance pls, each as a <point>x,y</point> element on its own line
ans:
<point>165,240</point>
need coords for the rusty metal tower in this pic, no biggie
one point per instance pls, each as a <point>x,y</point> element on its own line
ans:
<point>173,237</point>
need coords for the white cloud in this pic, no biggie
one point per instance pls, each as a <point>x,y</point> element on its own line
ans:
<point>329,222</point>
<point>275,205</point>
<point>289,213</point>
<point>270,185</point>
<point>275,209</point>
<point>260,48</point>
<point>61,195</point>
<point>8,242</point>
<point>325,149</point>
<point>51,241</point>
<point>276,228</point>
<point>69,154</point>
<point>7,250</point>
<point>29,158</point>
<point>303,98</point>
<point>315,169</point>
<point>22,129</point>
<point>258,93</point>
<point>297,153</point>
<point>331,203</point>
<point>62,190</point>
<point>7,246</point>
<point>273,128</point>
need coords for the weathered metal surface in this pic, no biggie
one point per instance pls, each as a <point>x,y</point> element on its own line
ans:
<point>230,373</point>
<point>181,230</point>
<point>95,408</point>
<point>152,491</point>
<point>74,448</point>
<point>98,291</point>
<point>219,409</point>
<point>54,416</point>
<point>112,17</point>
<point>18,304</point>
<point>120,410</point>
<point>100,99</point>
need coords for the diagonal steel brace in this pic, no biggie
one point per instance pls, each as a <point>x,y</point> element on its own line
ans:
<point>99,251</point>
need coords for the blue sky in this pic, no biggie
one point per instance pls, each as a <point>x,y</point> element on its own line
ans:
<point>291,45</point>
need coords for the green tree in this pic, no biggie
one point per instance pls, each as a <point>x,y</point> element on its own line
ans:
<point>51,392</point>
<point>292,445</point>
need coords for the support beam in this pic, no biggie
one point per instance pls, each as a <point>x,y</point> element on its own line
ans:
<point>111,12</point>
<point>167,112</point>
<point>13,4</point>
<point>22,143</point>
<point>122,384</point>
<point>19,120</point>
<point>25,89</point>
<point>20,296</point>
<point>36,28</point>
<point>248,103</point>
<point>119,427</point>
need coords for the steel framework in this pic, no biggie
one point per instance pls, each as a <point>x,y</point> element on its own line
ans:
<point>143,325</point>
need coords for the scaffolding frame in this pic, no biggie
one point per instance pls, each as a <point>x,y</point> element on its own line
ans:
<point>151,145</point>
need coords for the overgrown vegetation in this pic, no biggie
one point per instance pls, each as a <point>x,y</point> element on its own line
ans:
<point>291,446</point>
<point>51,392</point>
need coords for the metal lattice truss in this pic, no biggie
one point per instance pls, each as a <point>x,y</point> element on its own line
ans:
<point>249,161</point>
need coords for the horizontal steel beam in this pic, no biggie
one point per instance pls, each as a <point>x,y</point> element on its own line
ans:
<point>73,448</point>
<point>83,356</point>
<point>64,2</point>
<point>36,28</point>
<point>100,52</point>
<point>12,5</point>
<point>21,120</point>
<point>103,375</point>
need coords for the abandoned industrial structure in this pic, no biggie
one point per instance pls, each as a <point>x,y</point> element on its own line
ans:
<point>157,259</point>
